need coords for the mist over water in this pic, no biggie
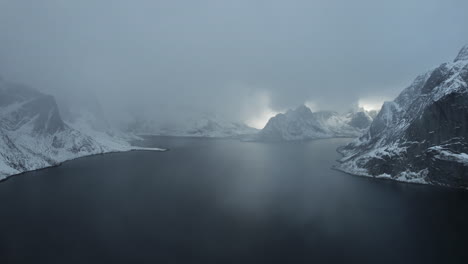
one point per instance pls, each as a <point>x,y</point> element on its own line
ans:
<point>255,203</point>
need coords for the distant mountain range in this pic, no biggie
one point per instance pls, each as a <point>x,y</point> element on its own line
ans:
<point>303,124</point>
<point>202,126</point>
<point>33,134</point>
<point>297,124</point>
<point>421,136</point>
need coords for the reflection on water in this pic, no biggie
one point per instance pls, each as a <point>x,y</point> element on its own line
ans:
<point>225,201</point>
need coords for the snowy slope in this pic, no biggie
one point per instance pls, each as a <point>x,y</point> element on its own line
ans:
<point>422,136</point>
<point>204,126</point>
<point>303,124</point>
<point>33,134</point>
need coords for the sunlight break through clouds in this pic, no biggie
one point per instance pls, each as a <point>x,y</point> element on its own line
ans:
<point>372,103</point>
<point>263,112</point>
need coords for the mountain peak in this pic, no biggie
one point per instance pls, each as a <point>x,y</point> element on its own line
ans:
<point>302,109</point>
<point>303,124</point>
<point>463,54</point>
<point>419,137</point>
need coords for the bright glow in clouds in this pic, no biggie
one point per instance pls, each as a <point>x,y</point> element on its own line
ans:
<point>263,112</point>
<point>261,119</point>
<point>311,105</point>
<point>372,103</point>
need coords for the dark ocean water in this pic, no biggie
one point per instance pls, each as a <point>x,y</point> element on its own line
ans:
<point>225,201</point>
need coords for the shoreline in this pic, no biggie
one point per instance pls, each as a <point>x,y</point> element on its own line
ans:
<point>389,177</point>
<point>7,177</point>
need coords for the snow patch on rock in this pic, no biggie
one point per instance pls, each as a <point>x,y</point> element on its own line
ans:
<point>34,136</point>
<point>303,124</point>
<point>421,136</point>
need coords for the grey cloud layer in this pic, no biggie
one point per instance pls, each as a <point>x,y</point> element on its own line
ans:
<point>167,58</point>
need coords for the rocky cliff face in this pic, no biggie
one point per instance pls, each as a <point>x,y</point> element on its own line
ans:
<point>303,124</point>
<point>33,135</point>
<point>422,136</point>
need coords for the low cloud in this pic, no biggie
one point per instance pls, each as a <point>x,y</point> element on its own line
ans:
<point>243,60</point>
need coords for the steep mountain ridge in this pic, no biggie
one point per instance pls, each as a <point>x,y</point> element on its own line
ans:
<point>422,136</point>
<point>33,135</point>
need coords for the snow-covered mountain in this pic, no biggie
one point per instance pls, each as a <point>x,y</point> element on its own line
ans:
<point>83,112</point>
<point>422,136</point>
<point>33,134</point>
<point>303,124</point>
<point>204,126</point>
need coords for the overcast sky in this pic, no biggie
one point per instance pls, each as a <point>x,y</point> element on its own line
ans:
<point>240,59</point>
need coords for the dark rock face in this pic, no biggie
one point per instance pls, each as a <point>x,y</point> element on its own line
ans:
<point>48,118</point>
<point>361,120</point>
<point>463,54</point>
<point>436,78</point>
<point>28,105</point>
<point>422,136</point>
<point>33,135</point>
<point>443,120</point>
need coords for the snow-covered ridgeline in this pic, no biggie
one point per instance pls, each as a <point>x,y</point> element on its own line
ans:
<point>201,126</point>
<point>33,134</point>
<point>422,136</point>
<point>303,124</point>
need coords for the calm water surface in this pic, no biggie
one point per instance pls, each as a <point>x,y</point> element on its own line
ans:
<point>225,201</point>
